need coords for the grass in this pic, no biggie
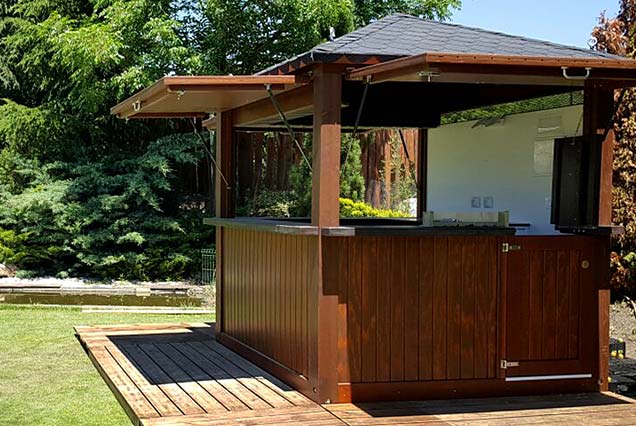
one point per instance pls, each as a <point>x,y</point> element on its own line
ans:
<point>45,376</point>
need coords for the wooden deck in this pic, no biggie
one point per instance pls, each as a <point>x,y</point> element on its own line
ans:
<point>169,375</point>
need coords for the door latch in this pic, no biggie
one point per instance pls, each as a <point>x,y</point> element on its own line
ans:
<point>508,364</point>
<point>506,247</point>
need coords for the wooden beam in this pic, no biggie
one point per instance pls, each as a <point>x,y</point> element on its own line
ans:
<point>295,101</point>
<point>326,149</point>
<point>325,212</point>
<point>224,175</point>
<point>422,171</point>
<point>598,110</point>
<point>224,201</point>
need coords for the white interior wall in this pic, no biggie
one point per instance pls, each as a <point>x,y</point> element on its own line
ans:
<point>466,163</point>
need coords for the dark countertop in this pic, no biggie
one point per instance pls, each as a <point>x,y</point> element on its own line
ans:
<point>355,227</point>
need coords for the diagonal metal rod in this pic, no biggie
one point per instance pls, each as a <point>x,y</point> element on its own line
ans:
<point>205,147</point>
<point>408,157</point>
<point>356,124</point>
<point>281,114</point>
<point>613,117</point>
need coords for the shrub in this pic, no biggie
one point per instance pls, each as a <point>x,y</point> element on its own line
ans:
<point>269,204</point>
<point>353,209</point>
<point>351,179</point>
<point>118,218</point>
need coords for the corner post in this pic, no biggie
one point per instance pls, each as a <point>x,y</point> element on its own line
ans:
<point>597,111</point>
<point>224,198</point>
<point>325,205</point>
<point>325,212</point>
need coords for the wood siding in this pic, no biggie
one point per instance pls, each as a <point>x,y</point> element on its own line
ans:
<point>415,308</point>
<point>266,284</point>
<point>413,317</point>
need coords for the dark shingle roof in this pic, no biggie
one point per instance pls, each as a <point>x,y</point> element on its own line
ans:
<point>400,35</point>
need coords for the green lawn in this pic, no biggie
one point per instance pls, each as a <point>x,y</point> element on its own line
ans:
<point>45,376</point>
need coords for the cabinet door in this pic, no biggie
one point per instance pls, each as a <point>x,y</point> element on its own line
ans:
<point>549,305</point>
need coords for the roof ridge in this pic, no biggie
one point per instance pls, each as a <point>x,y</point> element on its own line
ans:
<point>500,33</point>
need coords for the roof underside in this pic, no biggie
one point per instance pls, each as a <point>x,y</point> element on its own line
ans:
<point>197,96</point>
<point>400,35</point>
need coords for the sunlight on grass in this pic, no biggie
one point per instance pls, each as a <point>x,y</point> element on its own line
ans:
<point>45,376</point>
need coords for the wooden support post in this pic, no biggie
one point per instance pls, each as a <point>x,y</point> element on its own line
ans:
<point>422,170</point>
<point>325,206</point>
<point>598,110</point>
<point>325,213</point>
<point>224,199</point>
<point>245,164</point>
<point>224,185</point>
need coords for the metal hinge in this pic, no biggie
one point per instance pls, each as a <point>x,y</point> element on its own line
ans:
<point>505,247</point>
<point>508,364</point>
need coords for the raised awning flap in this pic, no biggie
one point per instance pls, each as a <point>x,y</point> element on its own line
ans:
<point>500,69</point>
<point>198,96</point>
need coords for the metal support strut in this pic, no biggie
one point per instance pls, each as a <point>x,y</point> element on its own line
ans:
<point>281,114</point>
<point>614,112</point>
<point>357,123</point>
<point>408,157</point>
<point>205,147</point>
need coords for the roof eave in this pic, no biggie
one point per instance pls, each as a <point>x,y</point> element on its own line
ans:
<point>414,68</point>
<point>148,102</point>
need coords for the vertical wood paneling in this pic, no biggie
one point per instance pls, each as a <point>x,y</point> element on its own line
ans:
<point>550,306</point>
<point>492,285</point>
<point>535,301</point>
<point>411,309</point>
<point>562,304</point>
<point>302,308</point>
<point>440,311</point>
<point>383,343</point>
<point>575,306</point>
<point>468,325</point>
<point>416,309</point>
<point>398,260</point>
<point>337,273</point>
<point>454,309</point>
<point>266,285</point>
<point>545,325</point>
<point>519,347</point>
<point>426,268</point>
<point>482,303</point>
<point>354,316</point>
<point>369,311</point>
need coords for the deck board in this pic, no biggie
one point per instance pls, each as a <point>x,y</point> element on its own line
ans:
<point>178,375</point>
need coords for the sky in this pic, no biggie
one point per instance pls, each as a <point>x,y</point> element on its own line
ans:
<point>567,22</point>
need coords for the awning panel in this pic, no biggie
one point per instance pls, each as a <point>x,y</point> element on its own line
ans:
<point>500,69</point>
<point>191,96</point>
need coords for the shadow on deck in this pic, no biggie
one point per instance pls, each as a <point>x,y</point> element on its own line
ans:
<point>177,374</point>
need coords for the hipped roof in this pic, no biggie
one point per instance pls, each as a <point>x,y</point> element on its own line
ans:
<point>399,35</point>
<point>396,48</point>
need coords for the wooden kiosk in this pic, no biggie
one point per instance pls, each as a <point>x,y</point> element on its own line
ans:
<point>392,309</point>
